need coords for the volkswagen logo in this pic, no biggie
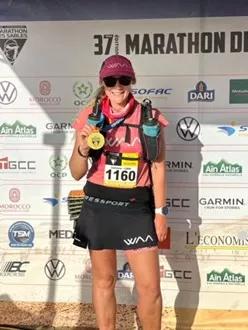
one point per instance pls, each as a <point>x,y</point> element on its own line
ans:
<point>188,128</point>
<point>8,92</point>
<point>55,269</point>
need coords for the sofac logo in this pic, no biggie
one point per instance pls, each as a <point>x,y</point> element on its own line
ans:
<point>17,129</point>
<point>222,168</point>
<point>201,93</point>
<point>152,91</point>
<point>225,277</point>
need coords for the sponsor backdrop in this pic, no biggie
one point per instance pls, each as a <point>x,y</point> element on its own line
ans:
<point>194,71</point>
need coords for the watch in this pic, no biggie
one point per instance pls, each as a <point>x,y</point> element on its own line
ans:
<point>164,210</point>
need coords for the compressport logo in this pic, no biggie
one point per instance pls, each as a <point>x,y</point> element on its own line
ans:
<point>55,269</point>
<point>12,39</point>
<point>8,92</point>
<point>188,128</point>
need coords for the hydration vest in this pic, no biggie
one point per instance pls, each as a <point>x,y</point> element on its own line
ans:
<point>148,128</point>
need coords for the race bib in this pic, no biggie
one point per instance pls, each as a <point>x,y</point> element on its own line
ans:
<point>121,170</point>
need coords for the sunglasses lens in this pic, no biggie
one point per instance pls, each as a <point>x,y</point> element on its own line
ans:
<point>125,81</point>
<point>111,81</point>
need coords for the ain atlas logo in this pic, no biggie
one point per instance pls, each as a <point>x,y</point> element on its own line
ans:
<point>225,277</point>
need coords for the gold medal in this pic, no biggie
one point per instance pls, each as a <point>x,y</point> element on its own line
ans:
<point>95,140</point>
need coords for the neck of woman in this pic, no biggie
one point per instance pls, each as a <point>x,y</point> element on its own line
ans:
<point>116,108</point>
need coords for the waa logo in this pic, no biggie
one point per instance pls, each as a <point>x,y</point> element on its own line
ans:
<point>116,65</point>
<point>136,240</point>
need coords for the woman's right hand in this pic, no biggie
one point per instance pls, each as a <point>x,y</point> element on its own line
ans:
<point>82,138</point>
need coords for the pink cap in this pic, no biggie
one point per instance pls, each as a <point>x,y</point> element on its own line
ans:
<point>116,65</point>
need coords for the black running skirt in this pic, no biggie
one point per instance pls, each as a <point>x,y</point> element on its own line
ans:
<point>120,219</point>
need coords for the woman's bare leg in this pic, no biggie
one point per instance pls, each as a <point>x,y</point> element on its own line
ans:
<point>104,278</point>
<point>144,264</point>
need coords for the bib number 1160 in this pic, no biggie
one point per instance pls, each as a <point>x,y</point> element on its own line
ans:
<point>122,175</point>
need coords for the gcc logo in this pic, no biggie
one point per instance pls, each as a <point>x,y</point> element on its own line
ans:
<point>54,269</point>
<point>8,92</point>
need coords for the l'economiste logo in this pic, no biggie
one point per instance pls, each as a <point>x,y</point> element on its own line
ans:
<point>219,241</point>
<point>238,91</point>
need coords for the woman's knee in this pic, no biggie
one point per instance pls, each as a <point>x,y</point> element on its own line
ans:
<point>106,281</point>
<point>148,290</point>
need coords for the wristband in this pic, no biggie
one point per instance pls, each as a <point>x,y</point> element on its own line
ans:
<point>80,153</point>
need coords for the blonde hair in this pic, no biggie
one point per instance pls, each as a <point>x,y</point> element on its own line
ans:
<point>98,95</point>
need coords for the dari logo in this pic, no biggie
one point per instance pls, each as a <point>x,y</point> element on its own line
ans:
<point>8,92</point>
<point>201,93</point>
<point>55,269</point>
<point>188,128</point>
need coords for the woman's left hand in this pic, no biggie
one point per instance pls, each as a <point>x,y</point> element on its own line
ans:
<point>161,226</point>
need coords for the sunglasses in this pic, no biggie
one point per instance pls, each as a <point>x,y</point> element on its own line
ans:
<point>111,81</point>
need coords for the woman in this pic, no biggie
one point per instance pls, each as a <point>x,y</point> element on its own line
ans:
<point>124,206</point>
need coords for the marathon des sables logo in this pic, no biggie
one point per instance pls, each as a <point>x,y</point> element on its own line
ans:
<point>205,42</point>
<point>12,40</point>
